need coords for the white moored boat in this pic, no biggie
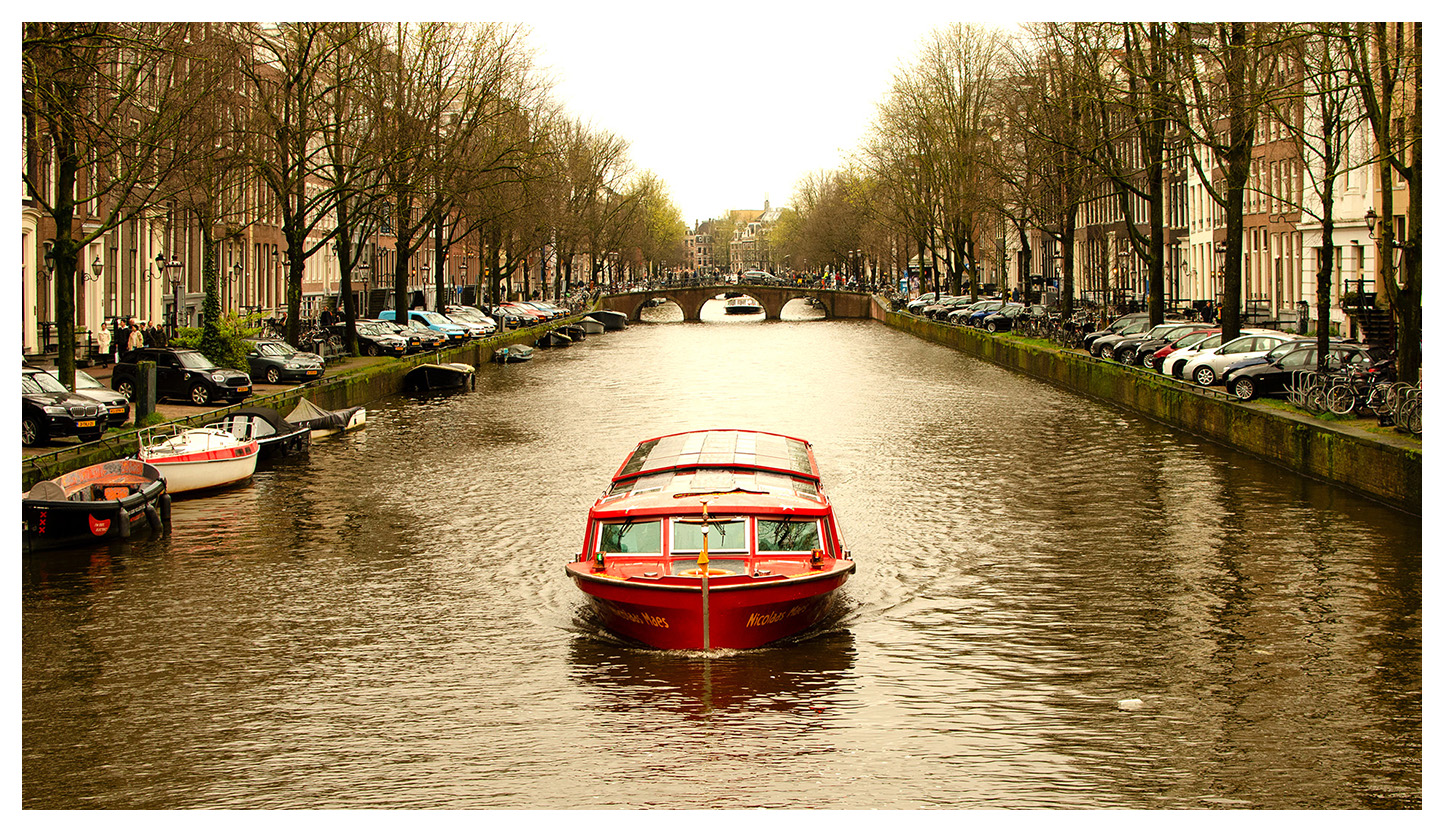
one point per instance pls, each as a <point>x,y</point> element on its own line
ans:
<point>191,459</point>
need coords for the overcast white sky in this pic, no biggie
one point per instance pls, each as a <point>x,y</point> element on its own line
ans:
<point>733,103</point>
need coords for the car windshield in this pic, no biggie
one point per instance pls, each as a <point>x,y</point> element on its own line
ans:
<point>194,360</point>
<point>1287,347</point>
<point>1211,342</point>
<point>276,348</point>
<point>41,383</point>
<point>1191,340</point>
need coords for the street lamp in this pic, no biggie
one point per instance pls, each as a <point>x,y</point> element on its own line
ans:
<point>173,271</point>
<point>363,269</point>
<point>95,269</point>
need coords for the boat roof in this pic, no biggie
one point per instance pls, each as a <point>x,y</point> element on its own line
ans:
<point>738,450</point>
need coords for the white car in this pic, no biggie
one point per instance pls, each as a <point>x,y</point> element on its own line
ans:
<point>1207,366</point>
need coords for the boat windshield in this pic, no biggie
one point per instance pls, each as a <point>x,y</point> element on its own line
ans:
<point>787,536</point>
<point>631,537</point>
<point>721,535</point>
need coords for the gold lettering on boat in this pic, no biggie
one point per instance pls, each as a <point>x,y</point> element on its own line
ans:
<point>641,617</point>
<point>758,620</point>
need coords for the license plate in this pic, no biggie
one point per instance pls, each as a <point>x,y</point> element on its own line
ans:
<point>85,423</point>
<point>243,388</point>
<point>312,372</point>
<point>117,410</point>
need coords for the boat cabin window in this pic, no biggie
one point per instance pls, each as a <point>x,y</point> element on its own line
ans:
<point>631,537</point>
<point>722,536</point>
<point>788,535</point>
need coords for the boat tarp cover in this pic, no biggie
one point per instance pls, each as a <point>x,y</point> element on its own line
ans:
<point>282,425</point>
<point>309,415</point>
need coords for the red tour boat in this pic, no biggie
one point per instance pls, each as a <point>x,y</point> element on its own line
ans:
<point>713,539</point>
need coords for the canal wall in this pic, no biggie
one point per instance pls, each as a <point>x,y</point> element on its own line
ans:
<point>358,386</point>
<point>1384,468</point>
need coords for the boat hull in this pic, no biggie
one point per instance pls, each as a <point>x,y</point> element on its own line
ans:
<point>746,615</point>
<point>195,475</point>
<point>65,522</point>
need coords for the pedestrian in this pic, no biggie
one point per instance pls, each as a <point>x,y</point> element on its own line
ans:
<point>135,339</point>
<point>119,334</point>
<point>159,336</point>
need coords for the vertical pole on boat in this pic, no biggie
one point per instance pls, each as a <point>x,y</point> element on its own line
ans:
<point>702,568</point>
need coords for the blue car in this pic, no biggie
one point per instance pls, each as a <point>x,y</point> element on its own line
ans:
<point>434,321</point>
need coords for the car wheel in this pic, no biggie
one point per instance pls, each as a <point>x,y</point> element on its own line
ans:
<point>991,326</point>
<point>1244,389</point>
<point>1107,352</point>
<point>1204,375</point>
<point>126,389</point>
<point>370,350</point>
<point>200,395</point>
<point>1149,362</point>
<point>273,376</point>
<point>31,432</point>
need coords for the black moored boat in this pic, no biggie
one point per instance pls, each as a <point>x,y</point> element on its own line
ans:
<point>110,500</point>
<point>270,430</point>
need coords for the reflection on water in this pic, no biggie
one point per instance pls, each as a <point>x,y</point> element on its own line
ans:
<point>386,622</point>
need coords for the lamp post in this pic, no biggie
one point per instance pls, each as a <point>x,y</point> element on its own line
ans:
<point>363,270</point>
<point>173,271</point>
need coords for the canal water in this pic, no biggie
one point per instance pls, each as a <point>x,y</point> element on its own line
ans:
<point>386,623</point>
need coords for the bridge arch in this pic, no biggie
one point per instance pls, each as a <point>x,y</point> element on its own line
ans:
<point>835,303</point>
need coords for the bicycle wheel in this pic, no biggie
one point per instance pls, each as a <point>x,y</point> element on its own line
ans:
<point>1412,416</point>
<point>1340,399</point>
<point>1314,398</point>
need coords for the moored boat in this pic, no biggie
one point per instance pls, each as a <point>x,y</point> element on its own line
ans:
<point>742,305</point>
<point>554,338</point>
<point>110,500</point>
<point>275,436</point>
<point>195,459</point>
<point>591,326</point>
<point>513,353</point>
<point>445,376</point>
<point>611,319</point>
<point>326,423</point>
<point>713,539</point>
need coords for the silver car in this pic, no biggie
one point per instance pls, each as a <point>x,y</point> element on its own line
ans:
<point>1207,366</point>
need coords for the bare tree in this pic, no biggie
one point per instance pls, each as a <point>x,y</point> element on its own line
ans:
<point>1386,59</point>
<point>104,108</point>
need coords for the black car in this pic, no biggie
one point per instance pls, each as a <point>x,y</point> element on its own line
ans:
<point>1125,349</point>
<point>1141,353</point>
<point>277,362</point>
<point>1256,380</point>
<point>117,406</point>
<point>48,410</point>
<point>379,338</point>
<point>1003,319</point>
<point>181,374</point>
<point>1117,326</point>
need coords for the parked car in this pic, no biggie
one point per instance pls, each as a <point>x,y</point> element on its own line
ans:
<point>1155,360</point>
<point>1122,350</point>
<point>1271,376</point>
<point>117,407</point>
<point>378,338</point>
<point>1140,353</point>
<point>1119,324</point>
<point>472,315</point>
<point>434,321</point>
<point>1135,327</point>
<point>48,410</point>
<point>1206,366</point>
<point>526,315</point>
<point>181,374</point>
<point>959,309</point>
<point>985,309</point>
<point>276,362</point>
<point>917,304</point>
<point>1003,319</point>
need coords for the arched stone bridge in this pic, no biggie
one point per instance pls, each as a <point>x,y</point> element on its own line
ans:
<point>836,303</point>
